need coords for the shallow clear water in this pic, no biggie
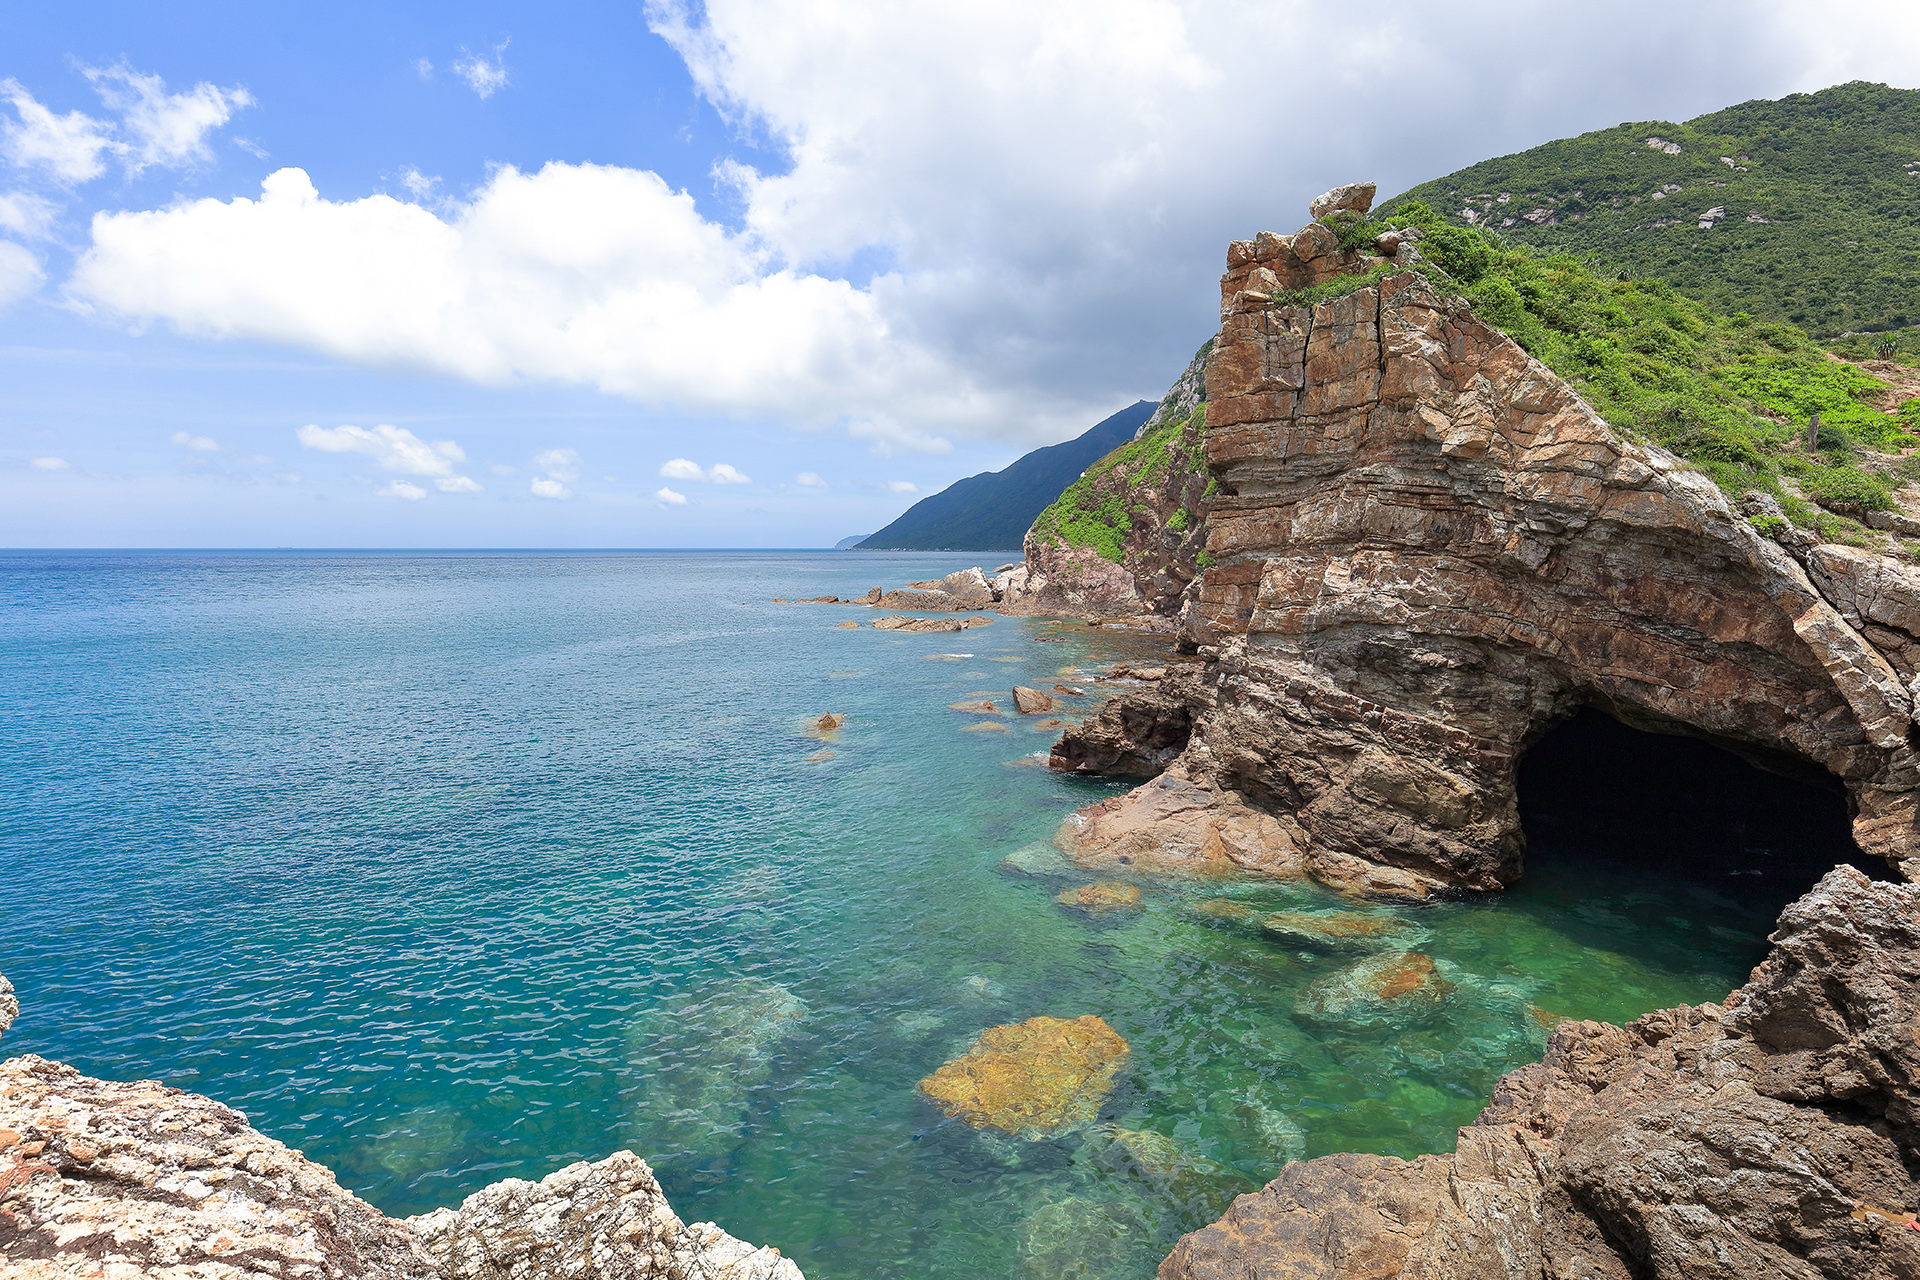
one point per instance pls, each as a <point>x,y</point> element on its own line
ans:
<point>452,867</point>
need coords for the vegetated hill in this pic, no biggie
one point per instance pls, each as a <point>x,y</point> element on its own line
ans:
<point>1805,209</point>
<point>991,511</point>
<point>1731,394</point>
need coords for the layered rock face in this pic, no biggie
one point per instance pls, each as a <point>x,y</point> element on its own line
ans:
<point>1430,549</point>
<point>132,1180</point>
<point>1770,1136</point>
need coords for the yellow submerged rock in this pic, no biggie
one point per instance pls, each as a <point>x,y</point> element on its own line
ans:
<point>1034,1079</point>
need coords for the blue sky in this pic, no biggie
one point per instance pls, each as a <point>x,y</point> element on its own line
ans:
<point>740,274</point>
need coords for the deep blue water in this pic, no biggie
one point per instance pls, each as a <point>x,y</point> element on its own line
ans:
<point>450,867</point>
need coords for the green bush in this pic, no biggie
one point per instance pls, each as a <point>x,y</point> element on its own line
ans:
<point>1769,526</point>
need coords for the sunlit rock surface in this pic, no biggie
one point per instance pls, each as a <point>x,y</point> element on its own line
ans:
<point>1034,1079</point>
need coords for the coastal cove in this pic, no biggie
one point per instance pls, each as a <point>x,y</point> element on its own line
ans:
<point>449,867</point>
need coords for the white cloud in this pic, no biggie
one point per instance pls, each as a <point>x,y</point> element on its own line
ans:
<point>669,498</point>
<point>808,480</point>
<point>394,448</point>
<point>721,473</point>
<point>401,489</point>
<point>52,464</point>
<point>26,214</point>
<point>201,444</point>
<point>501,469</point>
<point>485,76</point>
<point>902,486</point>
<point>155,127</point>
<point>418,184</point>
<point>456,484</point>
<point>682,469</point>
<point>561,464</point>
<point>1048,189</point>
<point>251,147</point>
<point>69,147</point>
<point>550,489</point>
<point>162,128</point>
<point>20,272</point>
<point>423,67</point>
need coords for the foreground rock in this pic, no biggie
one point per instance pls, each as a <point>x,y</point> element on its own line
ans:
<point>1172,827</point>
<point>1769,1136</point>
<point>99,1178</point>
<point>608,1219</point>
<point>1035,1079</point>
<point>1427,549</point>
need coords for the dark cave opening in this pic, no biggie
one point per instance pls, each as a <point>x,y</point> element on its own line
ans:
<point>1597,793</point>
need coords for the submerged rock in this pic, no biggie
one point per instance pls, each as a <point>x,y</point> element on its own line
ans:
<point>848,625</point>
<point>108,1179</point>
<point>1774,1135</point>
<point>902,623</point>
<point>1396,988</point>
<point>1038,859</point>
<point>1082,1238</point>
<point>1179,1178</point>
<point>1341,930</point>
<point>1221,910</point>
<point>1280,1133</point>
<point>977,706</point>
<point>1103,897</point>
<point>700,1061</point>
<point>985,726</point>
<point>1034,1079</point>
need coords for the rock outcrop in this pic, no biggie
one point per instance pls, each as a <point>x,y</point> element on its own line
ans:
<point>1773,1135</point>
<point>1428,549</point>
<point>1125,539</point>
<point>1035,1079</point>
<point>130,1180</point>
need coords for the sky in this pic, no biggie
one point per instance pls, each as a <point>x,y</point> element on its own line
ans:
<point>741,274</point>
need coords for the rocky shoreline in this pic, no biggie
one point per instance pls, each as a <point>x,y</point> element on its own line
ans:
<point>127,1180</point>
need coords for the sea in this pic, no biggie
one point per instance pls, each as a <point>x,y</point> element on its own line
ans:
<point>447,867</point>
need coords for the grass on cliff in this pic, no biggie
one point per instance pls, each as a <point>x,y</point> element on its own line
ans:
<point>1730,394</point>
<point>1097,511</point>
<point>1809,203</point>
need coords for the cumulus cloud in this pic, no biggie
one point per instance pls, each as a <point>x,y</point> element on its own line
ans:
<point>718,473</point>
<point>902,486</point>
<point>156,128</point>
<point>550,489</point>
<point>161,128</point>
<point>561,464</point>
<point>809,480</point>
<point>20,272</point>
<point>202,444</point>
<point>394,448</point>
<point>401,489</point>
<point>484,75</point>
<point>1048,189</point>
<point>51,464</point>
<point>668,498</point>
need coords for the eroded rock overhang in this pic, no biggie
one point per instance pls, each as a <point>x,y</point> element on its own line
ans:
<point>1429,548</point>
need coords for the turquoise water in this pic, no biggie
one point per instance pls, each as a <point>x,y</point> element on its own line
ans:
<point>453,867</point>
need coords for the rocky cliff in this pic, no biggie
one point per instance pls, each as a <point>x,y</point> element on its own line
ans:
<point>1773,1135</point>
<point>123,1180</point>
<point>1426,549</point>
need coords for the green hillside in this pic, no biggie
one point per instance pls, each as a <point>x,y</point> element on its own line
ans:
<point>1806,209</point>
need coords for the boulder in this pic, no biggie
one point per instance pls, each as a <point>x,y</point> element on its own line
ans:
<point>969,585</point>
<point>1035,1079</point>
<point>1393,989</point>
<point>975,621</point>
<point>9,1004</point>
<point>1031,702</point>
<point>902,623</point>
<point>848,625</point>
<point>975,706</point>
<point>1355,197</point>
<point>608,1218</point>
<point>1172,827</point>
<point>829,720</point>
<point>1221,911</point>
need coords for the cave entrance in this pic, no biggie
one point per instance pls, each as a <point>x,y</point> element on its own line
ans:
<point>1602,802</point>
